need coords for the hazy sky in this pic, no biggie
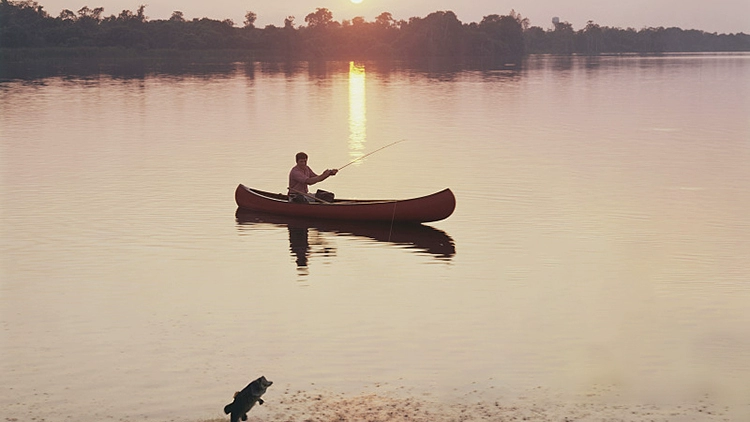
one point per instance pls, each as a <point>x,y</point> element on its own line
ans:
<point>723,16</point>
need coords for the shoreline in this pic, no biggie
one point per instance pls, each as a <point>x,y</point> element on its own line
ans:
<point>537,404</point>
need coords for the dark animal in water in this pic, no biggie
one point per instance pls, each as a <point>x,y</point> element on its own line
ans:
<point>245,400</point>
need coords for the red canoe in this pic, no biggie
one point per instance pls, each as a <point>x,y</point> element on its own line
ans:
<point>433,207</point>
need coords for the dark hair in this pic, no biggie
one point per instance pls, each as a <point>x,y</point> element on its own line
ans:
<point>300,156</point>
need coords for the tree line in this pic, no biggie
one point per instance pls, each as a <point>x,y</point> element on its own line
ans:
<point>595,39</point>
<point>25,24</point>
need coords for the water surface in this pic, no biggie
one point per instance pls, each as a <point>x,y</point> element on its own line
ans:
<point>597,256</point>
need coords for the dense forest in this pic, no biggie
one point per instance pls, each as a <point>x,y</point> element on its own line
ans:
<point>25,26</point>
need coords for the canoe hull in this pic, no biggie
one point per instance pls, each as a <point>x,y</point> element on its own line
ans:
<point>437,206</point>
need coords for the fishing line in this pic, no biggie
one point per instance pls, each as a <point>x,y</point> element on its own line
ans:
<point>393,218</point>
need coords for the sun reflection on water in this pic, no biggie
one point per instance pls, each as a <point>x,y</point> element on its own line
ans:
<point>357,110</point>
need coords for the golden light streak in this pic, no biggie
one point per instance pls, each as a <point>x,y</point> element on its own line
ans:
<point>357,110</point>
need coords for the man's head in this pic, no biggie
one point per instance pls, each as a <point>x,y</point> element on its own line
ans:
<point>300,156</point>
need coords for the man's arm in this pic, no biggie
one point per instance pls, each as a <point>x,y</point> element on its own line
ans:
<point>323,176</point>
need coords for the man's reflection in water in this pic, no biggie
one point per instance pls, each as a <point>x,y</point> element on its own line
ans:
<point>299,245</point>
<point>303,244</point>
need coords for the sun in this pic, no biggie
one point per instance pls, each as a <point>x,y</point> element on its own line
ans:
<point>356,1</point>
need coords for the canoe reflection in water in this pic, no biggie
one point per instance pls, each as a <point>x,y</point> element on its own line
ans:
<point>419,238</point>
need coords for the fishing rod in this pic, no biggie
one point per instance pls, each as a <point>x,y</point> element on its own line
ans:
<point>366,155</point>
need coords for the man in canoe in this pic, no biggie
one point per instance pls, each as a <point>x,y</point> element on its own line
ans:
<point>301,176</point>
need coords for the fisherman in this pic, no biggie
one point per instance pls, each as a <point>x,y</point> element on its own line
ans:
<point>301,176</point>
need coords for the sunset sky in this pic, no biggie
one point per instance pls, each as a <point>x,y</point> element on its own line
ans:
<point>722,16</point>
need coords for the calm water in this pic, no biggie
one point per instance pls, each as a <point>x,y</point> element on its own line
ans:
<point>598,254</point>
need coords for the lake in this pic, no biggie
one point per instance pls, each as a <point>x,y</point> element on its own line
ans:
<point>595,268</point>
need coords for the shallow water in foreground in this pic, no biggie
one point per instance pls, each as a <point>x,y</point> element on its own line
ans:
<point>595,266</point>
